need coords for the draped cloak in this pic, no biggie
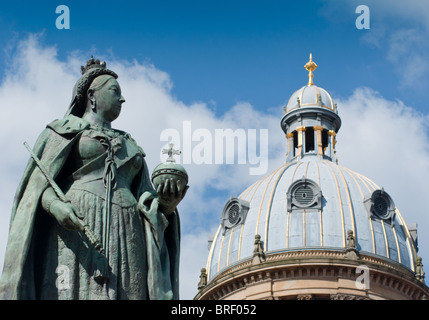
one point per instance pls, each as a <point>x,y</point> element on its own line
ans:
<point>53,146</point>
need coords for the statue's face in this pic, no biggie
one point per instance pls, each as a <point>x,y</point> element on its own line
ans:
<point>109,100</point>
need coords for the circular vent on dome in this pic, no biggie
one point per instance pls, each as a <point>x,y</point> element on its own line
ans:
<point>233,214</point>
<point>304,195</point>
<point>380,206</point>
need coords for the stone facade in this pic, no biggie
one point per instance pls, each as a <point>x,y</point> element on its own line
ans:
<point>314,275</point>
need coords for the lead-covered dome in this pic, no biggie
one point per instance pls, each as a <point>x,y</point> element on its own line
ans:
<point>310,96</point>
<point>311,204</point>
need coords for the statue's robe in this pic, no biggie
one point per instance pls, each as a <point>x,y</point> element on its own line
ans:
<point>53,148</point>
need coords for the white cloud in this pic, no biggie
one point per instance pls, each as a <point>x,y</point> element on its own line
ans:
<point>388,142</point>
<point>405,48</point>
<point>407,51</point>
<point>415,11</point>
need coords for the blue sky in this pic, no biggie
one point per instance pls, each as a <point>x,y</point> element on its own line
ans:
<point>222,50</point>
<point>234,64</point>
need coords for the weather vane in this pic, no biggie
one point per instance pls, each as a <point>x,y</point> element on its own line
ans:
<point>310,66</point>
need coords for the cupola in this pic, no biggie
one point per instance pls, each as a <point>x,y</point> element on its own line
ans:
<point>311,121</point>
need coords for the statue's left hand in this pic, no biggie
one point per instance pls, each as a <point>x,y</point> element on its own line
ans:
<point>170,193</point>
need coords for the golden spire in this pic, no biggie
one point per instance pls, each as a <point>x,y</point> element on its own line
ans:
<point>310,66</point>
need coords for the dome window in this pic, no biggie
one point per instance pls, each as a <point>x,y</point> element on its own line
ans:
<point>304,194</point>
<point>380,206</point>
<point>234,213</point>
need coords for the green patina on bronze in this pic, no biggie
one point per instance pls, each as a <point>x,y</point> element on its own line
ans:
<point>105,188</point>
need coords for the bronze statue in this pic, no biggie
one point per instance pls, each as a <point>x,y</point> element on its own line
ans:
<point>103,191</point>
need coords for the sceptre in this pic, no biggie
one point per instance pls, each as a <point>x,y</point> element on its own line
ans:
<point>83,228</point>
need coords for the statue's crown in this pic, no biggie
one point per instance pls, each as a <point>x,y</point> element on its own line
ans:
<point>91,64</point>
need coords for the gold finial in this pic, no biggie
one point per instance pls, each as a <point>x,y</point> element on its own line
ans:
<point>310,66</point>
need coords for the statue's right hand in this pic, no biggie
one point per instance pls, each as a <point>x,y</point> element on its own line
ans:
<point>66,214</point>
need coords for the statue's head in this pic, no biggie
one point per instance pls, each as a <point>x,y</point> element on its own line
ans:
<point>104,97</point>
<point>96,89</point>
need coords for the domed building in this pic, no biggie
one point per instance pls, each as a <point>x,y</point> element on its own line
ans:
<point>313,229</point>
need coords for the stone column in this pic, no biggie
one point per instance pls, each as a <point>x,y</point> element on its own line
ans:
<point>318,140</point>
<point>331,144</point>
<point>301,141</point>
<point>290,146</point>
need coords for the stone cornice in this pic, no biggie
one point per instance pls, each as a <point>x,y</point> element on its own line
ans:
<point>314,264</point>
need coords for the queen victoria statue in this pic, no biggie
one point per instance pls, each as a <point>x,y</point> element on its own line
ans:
<point>86,221</point>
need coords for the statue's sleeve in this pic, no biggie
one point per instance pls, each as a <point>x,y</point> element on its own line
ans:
<point>162,242</point>
<point>38,150</point>
<point>17,281</point>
